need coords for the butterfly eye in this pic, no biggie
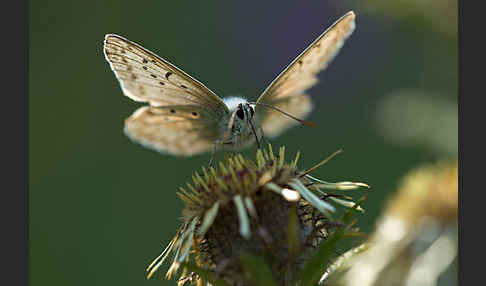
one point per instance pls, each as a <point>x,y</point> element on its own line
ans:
<point>240,113</point>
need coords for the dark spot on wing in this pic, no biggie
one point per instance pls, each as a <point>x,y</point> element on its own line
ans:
<point>172,111</point>
<point>145,68</point>
<point>183,86</point>
<point>167,75</point>
<point>145,61</point>
<point>152,75</point>
<point>161,83</point>
<point>134,77</point>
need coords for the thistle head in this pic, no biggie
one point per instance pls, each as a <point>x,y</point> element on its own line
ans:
<point>247,218</point>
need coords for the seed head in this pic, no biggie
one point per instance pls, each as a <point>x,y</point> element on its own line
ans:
<point>248,217</point>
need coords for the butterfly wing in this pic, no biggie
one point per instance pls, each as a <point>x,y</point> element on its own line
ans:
<point>274,123</point>
<point>168,124</point>
<point>287,90</point>
<point>146,77</point>
<point>180,130</point>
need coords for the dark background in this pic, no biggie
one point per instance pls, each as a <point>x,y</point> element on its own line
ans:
<point>101,207</point>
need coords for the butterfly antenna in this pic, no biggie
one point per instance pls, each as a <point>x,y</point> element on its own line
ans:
<point>303,122</point>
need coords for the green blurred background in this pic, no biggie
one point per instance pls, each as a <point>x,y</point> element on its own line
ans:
<point>102,207</point>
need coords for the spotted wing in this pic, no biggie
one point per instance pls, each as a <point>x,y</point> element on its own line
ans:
<point>287,90</point>
<point>145,77</point>
<point>183,117</point>
<point>182,130</point>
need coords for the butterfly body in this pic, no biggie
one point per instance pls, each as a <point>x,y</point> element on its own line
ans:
<point>240,129</point>
<point>184,117</point>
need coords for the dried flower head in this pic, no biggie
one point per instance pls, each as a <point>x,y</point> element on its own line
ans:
<point>253,220</point>
<point>415,240</point>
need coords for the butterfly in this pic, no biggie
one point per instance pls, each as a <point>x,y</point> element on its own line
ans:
<point>184,117</point>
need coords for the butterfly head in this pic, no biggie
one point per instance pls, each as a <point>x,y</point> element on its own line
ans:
<point>244,112</point>
<point>241,126</point>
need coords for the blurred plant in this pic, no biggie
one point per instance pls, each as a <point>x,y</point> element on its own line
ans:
<point>414,117</point>
<point>259,223</point>
<point>415,239</point>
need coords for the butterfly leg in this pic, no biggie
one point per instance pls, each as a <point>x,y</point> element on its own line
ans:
<point>236,143</point>
<point>213,153</point>
<point>233,145</point>
<point>265,141</point>
<point>255,133</point>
